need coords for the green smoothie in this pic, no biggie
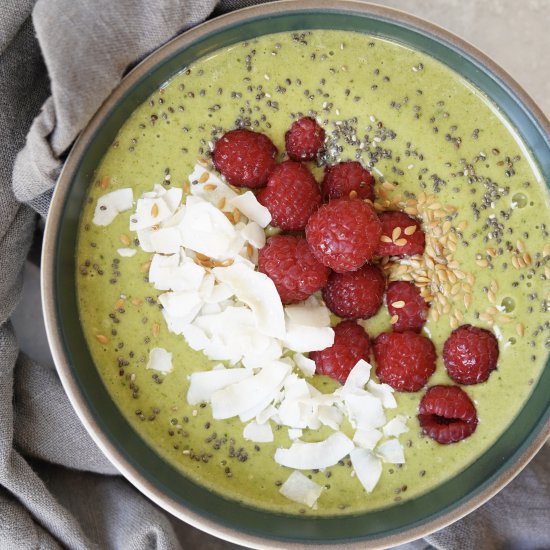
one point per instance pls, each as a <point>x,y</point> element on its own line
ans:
<point>438,149</point>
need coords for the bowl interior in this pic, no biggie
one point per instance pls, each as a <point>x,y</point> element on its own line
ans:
<point>180,492</point>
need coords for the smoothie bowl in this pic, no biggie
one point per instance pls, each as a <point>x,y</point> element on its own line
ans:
<point>192,284</point>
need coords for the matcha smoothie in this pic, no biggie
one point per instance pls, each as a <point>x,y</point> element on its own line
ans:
<point>438,150</point>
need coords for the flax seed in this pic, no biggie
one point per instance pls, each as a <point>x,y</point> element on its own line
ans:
<point>203,177</point>
<point>155,210</point>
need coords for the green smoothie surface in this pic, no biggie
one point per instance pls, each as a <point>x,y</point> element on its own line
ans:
<point>438,149</point>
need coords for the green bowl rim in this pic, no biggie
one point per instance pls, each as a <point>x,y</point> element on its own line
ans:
<point>503,475</point>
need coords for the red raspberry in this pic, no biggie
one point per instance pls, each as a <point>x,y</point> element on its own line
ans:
<point>405,302</point>
<point>343,178</point>
<point>470,354</point>
<point>304,140</point>
<point>291,195</point>
<point>355,294</point>
<point>289,263</point>
<point>344,234</point>
<point>447,414</point>
<point>396,240</point>
<point>244,157</point>
<point>351,343</point>
<point>404,360</point>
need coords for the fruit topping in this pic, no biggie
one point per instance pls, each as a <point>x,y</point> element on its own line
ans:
<point>288,261</point>
<point>304,140</point>
<point>344,234</point>
<point>470,354</point>
<point>351,343</point>
<point>406,306</point>
<point>347,177</point>
<point>355,294</point>
<point>447,414</point>
<point>404,360</point>
<point>244,157</point>
<point>291,196</point>
<point>401,235</point>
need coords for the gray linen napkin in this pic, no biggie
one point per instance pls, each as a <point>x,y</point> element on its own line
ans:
<point>59,59</point>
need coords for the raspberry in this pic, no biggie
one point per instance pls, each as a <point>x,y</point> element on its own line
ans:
<point>351,343</point>
<point>289,263</point>
<point>470,354</point>
<point>401,235</point>
<point>291,195</point>
<point>244,157</point>
<point>404,360</point>
<point>343,178</point>
<point>355,294</point>
<point>447,414</point>
<point>304,140</point>
<point>344,234</point>
<point>405,302</point>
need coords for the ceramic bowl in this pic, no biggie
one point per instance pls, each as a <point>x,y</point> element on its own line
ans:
<point>158,480</point>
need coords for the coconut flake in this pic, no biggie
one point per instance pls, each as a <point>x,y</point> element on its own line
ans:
<point>205,229</point>
<point>254,234</point>
<point>330,416</point>
<point>396,426</point>
<point>166,240</point>
<point>367,467</point>
<point>391,451</point>
<point>111,204</point>
<point>263,416</point>
<point>248,204</point>
<point>303,338</point>
<point>194,336</point>
<point>258,292</point>
<point>310,456</point>
<point>259,433</point>
<point>305,364</point>
<point>182,305</point>
<point>365,410</point>
<point>175,273</point>
<point>384,392</point>
<point>310,313</point>
<point>301,489</point>
<point>367,438</point>
<point>232,334</point>
<point>242,396</point>
<point>295,433</point>
<point>204,384</point>
<point>358,377</point>
<point>149,212</point>
<point>160,360</point>
<point>221,193</point>
<point>126,252</point>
